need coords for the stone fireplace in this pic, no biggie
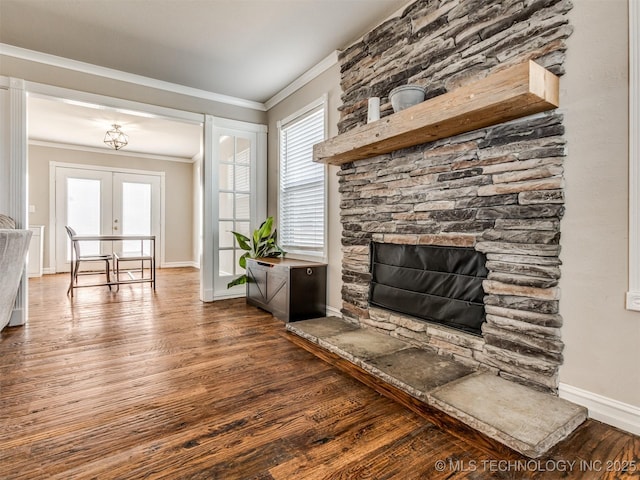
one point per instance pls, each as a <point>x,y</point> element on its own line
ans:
<point>497,190</point>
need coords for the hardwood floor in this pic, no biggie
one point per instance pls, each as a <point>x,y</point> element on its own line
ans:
<point>140,385</point>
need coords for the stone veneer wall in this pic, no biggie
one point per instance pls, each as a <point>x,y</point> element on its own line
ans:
<point>499,189</point>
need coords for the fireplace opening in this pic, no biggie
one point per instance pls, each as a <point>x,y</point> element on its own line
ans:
<point>437,284</point>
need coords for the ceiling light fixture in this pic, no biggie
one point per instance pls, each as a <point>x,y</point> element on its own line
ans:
<point>115,138</point>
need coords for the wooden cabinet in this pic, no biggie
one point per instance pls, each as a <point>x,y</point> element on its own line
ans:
<point>36,247</point>
<point>290,289</point>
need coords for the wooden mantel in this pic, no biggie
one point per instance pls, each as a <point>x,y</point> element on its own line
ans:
<point>511,93</point>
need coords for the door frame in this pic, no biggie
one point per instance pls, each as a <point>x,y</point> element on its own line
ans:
<point>114,103</point>
<point>13,156</point>
<point>52,202</point>
<point>15,135</point>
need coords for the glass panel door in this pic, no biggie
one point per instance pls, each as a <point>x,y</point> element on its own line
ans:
<point>136,217</point>
<point>83,201</point>
<point>80,204</point>
<point>136,210</point>
<point>235,178</point>
<point>234,211</point>
<point>100,202</point>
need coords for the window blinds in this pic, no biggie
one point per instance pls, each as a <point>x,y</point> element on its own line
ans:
<point>302,184</point>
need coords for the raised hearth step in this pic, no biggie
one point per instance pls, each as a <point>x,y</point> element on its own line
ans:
<point>525,420</point>
<point>529,421</point>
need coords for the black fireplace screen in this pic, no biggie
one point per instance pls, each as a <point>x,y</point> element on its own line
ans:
<point>434,283</point>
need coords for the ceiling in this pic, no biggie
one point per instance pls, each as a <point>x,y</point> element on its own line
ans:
<point>248,49</point>
<point>84,125</point>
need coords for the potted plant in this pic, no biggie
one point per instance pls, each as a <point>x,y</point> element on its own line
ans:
<point>262,244</point>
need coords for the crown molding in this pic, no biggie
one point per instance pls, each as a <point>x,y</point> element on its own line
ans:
<point>108,151</point>
<point>103,102</point>
<point>88,68</point>
<point>324,65</point>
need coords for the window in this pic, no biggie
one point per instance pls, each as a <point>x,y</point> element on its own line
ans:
<point>302,212</point>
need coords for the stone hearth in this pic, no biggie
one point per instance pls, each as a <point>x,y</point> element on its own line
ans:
<point>526,421</point>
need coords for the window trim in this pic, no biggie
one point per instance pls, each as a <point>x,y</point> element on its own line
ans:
<point>633,295</point>
<point>319,102</point>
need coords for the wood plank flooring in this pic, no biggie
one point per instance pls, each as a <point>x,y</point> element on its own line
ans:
<point>158,385</point>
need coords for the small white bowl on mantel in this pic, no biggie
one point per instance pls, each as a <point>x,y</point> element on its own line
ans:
<point>406,96</point>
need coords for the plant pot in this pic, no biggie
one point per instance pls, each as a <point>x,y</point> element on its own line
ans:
<point>406,96</point>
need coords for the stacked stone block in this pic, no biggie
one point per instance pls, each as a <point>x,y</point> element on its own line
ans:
<point>443,44</point>
<point>499,189</point>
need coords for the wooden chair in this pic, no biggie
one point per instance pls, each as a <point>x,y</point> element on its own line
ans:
<point>85,258</point>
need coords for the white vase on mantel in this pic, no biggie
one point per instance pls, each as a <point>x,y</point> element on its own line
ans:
<point>373,110</point>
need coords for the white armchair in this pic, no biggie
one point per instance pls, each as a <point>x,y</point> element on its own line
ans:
<point>14,245</point>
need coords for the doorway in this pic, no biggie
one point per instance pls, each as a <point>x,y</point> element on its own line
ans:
<point>95,201</point>
<point>204,205</point>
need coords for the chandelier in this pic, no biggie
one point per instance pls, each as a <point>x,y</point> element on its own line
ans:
<point>115,138</point>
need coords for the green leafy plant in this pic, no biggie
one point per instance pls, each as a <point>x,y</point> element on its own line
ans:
<point>263,244</point>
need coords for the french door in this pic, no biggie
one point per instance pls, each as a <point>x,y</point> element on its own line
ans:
<point>234,199</point>
<point>105,202</point>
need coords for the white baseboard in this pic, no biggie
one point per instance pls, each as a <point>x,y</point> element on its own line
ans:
<point>633,301</point>
<point>227,295</point>
<point>180,264</point>
<point>333,312</point>
<point>604,409</point>
<point>49,271</point>
<point>206,295</point>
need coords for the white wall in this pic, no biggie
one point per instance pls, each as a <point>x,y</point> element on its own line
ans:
<point>329,83</point>
<point>602,353</point>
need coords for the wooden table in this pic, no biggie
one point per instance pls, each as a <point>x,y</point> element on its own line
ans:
<point>117,257</point>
